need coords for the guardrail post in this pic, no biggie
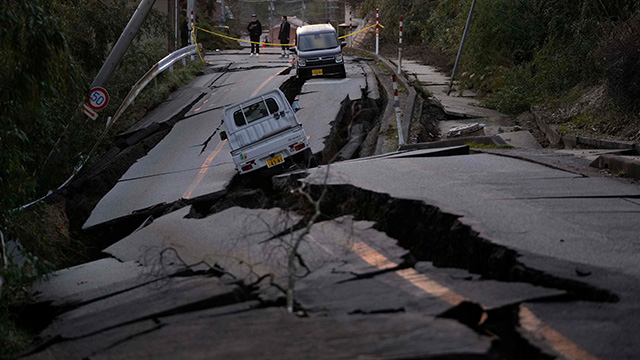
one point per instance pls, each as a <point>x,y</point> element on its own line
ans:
<point>377,31</point>
<point>400,49</point>
<point>396,104</point>
<point>350,29</point>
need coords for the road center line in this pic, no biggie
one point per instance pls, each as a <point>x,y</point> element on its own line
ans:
<point>419,280</point>
<point>216,151</point>
<point>560,343</point>
<point>203,169</point>
<point>528,320</point>
<point>257,90</point>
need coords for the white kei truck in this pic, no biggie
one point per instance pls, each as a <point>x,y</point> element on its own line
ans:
<point>263,131</point>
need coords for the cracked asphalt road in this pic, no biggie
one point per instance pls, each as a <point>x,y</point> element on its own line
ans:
<point>180,166</point>
<point>429,255</point>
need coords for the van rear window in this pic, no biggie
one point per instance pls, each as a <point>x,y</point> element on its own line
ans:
<point>255,111</point>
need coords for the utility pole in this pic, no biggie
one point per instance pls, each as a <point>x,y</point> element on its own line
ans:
<point>272,8</point>
<point>304,7</point>
<point>175,28</point>
<point>350,27</point>
<point>191,10</point>
<point>326,10</point>
<point>223,13</point>
<point>464,37</point>
<point>121,46</point>
<point>332,13</point>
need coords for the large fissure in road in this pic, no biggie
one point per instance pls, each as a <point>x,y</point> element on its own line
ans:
<point>430,235</point>
<point>426,231</point>
<point>353,134</point>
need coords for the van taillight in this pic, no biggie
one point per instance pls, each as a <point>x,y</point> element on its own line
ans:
<point>299,147</point>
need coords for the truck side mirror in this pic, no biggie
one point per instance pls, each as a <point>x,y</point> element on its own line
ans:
<point>223,135</point>
<point>295,107</point>
<point>343,44</point>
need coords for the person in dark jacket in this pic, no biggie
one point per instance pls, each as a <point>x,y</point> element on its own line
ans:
<point>184,33</point>
<point>255,30</point>
<point>285,29</point>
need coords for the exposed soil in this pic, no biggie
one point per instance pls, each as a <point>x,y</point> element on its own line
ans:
<point>426,128</point>
<point>528,122</point>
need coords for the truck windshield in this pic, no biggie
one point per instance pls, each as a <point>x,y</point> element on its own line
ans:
<point>321,41</point>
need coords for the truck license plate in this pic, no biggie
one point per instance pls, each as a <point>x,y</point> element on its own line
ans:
<point>275,161</point>
<point>316,72</point>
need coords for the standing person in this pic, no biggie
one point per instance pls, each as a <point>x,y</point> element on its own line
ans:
<point>184,33</point>
<point>285,29</point>
<point>255,30</point>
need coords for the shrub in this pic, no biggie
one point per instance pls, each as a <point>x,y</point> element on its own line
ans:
<point>619,55</point>
<point>525,52</point>
<point>49,53</point>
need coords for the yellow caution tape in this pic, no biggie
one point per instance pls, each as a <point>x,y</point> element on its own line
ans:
<point>272,44</point>
<point>247,41</point>
<point>198,47</point>
<point>359,31</point>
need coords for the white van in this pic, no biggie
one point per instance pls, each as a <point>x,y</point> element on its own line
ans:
<point>263,131</point>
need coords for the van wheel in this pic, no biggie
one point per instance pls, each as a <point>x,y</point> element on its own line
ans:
<point>342,73</point>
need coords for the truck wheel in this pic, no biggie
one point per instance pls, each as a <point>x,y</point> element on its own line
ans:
<point>310,160</point>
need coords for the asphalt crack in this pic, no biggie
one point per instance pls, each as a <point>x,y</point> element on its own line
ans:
<point>206,142</point>
<point>376,312</point>
<point>129,338</point>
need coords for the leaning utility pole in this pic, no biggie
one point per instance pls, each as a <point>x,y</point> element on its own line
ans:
<point>121,46</point>
<point>464,37</point>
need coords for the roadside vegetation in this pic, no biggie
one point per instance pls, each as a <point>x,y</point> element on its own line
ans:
<point>572,58</point>
<point>50,52</point>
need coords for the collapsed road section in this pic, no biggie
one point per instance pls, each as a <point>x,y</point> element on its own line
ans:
<point>378,273</point>
<point>433,254</point>
<point>185,168</point>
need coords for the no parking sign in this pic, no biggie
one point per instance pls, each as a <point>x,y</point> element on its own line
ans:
<point>98,98</point>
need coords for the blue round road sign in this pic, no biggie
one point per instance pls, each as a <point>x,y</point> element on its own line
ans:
<point>98,98</point>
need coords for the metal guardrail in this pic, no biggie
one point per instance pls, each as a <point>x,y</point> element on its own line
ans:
<point>158,68</point>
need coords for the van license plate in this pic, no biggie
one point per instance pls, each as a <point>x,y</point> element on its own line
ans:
<point>275,161</point>
<point>316,72</point>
